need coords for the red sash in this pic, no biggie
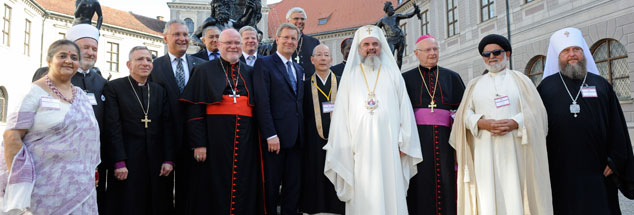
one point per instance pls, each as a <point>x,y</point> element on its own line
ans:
<point>227,107</point>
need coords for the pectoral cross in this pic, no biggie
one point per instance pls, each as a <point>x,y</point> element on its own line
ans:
<point>432,105</point>
<point>297,58</point>
<point>146,121</point>
<point>234,96</point>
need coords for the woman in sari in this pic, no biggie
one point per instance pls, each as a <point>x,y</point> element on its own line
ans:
<point>51,144</point>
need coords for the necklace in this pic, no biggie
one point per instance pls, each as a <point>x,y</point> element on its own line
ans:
<point>431,105</point>
<point>299,48</point>
<point>59,94</point>
<point>145,112</point>
<point>574,107</point>
<point>372,103</point>
<point>233,91</point>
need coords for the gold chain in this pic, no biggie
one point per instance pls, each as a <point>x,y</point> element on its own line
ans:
<point>366,80</point>
<point>425,83</point>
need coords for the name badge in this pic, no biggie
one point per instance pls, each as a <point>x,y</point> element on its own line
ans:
<point>502,101</point>
<point>92,99</point>
<point>328,107</point>
<point>50,103</point>
<point>589,92</point>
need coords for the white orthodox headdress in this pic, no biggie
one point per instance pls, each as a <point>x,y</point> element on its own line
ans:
<point>561,40</point>
<point>388,63</point>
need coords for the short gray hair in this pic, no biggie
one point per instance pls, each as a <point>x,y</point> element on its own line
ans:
<point>295,10</point>
<point>137,48</point>
<point>209,28</point>
<point>173,21</point>
<point>247,28</point>
<point>286,25</point>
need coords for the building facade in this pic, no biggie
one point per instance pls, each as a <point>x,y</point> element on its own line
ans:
<point>30,26</point>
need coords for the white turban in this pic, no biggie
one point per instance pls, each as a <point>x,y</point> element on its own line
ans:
<point>388,63</point>
<point>82,31</point>
<point>561,40</point>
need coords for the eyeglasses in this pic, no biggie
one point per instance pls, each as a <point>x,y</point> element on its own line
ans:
<point>496,53</point>
<point>230,43</point>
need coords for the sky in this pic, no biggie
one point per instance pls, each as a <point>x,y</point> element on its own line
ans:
<point>149,8</point>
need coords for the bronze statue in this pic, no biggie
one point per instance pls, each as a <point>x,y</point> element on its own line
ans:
<point>393,32</point>
<point>221,13</point>
<point>85,9</point>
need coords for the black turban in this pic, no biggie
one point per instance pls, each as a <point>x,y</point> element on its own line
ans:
<point>495,39</point>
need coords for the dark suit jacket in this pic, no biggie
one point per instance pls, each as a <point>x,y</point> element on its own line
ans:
<point>163,74</point>
<point>338,69</point>
<point>278,108</point>
<point>308,44</point>
<point>202,54</point>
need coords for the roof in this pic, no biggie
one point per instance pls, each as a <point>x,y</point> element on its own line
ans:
<point>111,16</point>
<point>341,14</point>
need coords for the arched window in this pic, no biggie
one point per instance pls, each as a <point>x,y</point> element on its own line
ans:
<point>190,25</point>
<point>4,101</point>
<point>611,59</point>
<point>535,69</point>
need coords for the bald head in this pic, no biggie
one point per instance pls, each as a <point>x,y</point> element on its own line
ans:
<point>320,48</point>
<point>229,45</point>
<point>321,59</point>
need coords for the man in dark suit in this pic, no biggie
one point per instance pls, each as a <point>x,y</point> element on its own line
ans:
<point>306,44</point>
<point>210,39</point>
<point>345,50</point>
<point>250,43</point>
<point>278,83</point>
<point>172,72</point>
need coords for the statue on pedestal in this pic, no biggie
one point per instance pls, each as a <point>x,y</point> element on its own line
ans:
<point>85,9</point>
<point>393,32</point>
<point>221,13</point>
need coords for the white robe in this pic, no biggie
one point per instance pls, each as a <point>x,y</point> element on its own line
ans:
<point>362,158</point>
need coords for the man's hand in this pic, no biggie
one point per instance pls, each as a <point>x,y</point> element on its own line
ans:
<point>200,154</point>
<point>166,169</point>
<point>607,172</point>
<point>121,173</point>
<point>498,127</point>
<point>274,145</point>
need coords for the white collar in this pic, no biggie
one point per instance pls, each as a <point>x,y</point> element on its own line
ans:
<point>245,55</point>
<point>83,72</point>
<point>323,81</point>
<point>284,60</point>
<point>172,57</point>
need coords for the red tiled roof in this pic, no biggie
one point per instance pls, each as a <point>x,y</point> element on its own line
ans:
<point>110,16</point>
<point>343,14</point>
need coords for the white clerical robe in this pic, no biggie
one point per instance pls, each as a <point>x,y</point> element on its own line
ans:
<point>362,158</point>
<point>496,157</point>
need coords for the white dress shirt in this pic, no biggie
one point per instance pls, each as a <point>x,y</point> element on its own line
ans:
<point>246,58</point>
<point>175,64</point>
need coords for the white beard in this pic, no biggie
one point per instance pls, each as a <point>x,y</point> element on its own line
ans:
<point>497,66</point>
<point>371,61</point>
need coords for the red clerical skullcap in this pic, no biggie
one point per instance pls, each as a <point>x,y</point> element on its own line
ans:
<point>424,37</point>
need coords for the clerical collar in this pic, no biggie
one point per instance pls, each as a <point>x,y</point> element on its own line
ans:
<point>224,62</point>
<point>425,69</point>
<point>323,81</point>
<point>138,83</point>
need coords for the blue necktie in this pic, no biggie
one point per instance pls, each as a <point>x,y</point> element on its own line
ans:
<point>213,56</point>
<point>289,70</point>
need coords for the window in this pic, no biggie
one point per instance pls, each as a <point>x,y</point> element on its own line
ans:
<point>452,20</point>
<point>323,21</point>
<point>113,52</point>
<point>190,26</point>
<point>154,54</point>
<point>487,9</point>
<point>424,22</point>
<point>27,37</point>
<point>3,104</point>
<point>529,1</point>
<point>535,69</point>
<point>62,35</point>
<point>6,27</point>
<point>611,59</point>
<point>404,28</point>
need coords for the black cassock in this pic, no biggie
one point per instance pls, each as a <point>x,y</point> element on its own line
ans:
<point>433,189</point>
<point>317,192</point>
<point>229,181</point>
<point>579,147</point>
<point>144,150</point>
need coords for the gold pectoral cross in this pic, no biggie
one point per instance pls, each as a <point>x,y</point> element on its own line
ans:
<point>432,105</point>
<point>146,121</point>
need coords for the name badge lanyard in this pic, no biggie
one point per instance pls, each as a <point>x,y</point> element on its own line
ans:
<point>574,107</point>
<point>316,106</point>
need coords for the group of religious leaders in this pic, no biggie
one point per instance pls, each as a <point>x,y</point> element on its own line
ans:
<point>274,138</point>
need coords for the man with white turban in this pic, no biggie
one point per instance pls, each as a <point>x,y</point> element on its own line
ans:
<point>589,148</point>
<point>373,148</point>
<point>499,134</point>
